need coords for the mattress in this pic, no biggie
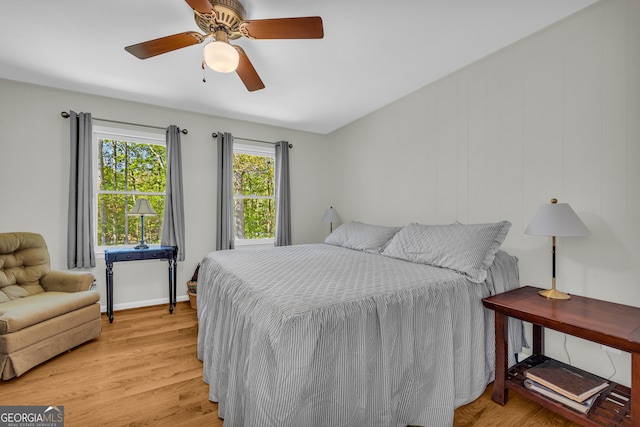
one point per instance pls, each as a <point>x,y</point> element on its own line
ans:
<point>321,335</point>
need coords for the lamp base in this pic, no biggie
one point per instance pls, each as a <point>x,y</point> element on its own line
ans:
<point>142,246</point>
<point>554,294</point>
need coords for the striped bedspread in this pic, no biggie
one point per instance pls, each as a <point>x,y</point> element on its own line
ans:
<point>320,335</point>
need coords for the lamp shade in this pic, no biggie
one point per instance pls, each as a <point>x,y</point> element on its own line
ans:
<point>221,57</point>
<point>330,215</point>
<point>142,207</point>
<point>556,219</point>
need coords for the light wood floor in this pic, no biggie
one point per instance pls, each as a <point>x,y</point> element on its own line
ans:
<point>143,371</point>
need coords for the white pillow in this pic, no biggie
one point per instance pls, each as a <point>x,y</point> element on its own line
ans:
<point>361,236</point>
<point>467,248</point>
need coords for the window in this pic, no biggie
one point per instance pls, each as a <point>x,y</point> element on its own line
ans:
<point>129,165</point>
<point>254,193</point>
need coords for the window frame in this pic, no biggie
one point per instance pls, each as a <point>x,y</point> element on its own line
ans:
<point>121,134</point>
<point>255,150</point>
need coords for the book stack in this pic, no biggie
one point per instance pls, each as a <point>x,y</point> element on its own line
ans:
<point>566,384</point>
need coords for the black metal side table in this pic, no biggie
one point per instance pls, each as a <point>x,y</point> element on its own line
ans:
<point>159,252</point>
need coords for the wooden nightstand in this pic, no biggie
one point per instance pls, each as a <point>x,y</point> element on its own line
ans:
<point>614,325</point>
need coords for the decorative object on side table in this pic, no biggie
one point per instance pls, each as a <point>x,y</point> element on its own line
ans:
<point>556,220</point>
<point>331,216</point>
<point>142,208</point>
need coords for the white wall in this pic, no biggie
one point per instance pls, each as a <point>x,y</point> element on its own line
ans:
<point>34,172</point>
<point>554,115</point>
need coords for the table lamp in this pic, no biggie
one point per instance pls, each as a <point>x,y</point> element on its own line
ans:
<point>330,216</point>
<point>142,208</point>
<point>556,220</point>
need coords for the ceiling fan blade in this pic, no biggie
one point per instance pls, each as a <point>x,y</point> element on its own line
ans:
<point>155,47</point>
<point>247,73</point>
<point>283,28</point>
<point>202,6</point>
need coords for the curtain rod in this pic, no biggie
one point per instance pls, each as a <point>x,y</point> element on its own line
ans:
<point>215,135</point>
<point>67,115</point>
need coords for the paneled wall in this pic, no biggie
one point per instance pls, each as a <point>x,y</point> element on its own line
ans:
<point>554,115</point>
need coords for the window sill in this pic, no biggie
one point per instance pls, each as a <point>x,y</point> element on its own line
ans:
<point>248,243</point>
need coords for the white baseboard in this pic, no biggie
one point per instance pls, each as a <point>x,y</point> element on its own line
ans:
<point>144,303</point>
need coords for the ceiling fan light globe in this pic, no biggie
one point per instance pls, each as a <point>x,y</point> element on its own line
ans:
<point>221,57</point>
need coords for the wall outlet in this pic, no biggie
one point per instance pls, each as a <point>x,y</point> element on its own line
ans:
<point>611,349</point>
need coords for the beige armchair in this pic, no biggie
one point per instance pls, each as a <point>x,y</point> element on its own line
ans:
<point>42,313</point>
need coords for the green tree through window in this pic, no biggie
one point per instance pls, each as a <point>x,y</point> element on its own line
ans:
<point>128,170</point>
<point>254,196</point>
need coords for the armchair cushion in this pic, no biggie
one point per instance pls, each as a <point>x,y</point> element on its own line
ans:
<point>24,312</point>
<point>67,281</point>
<point>24,260</point>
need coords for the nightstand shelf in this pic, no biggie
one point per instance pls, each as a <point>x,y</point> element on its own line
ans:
<point>611,324</point>
<point>604,412</point>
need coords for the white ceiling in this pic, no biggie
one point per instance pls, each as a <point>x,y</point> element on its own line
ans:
<point>373,52</point>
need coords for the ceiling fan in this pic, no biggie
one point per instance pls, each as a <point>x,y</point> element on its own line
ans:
<point>221,21</point>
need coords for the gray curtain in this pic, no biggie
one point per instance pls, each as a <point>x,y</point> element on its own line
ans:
<point>80,247</point>
<point>224,211</point>
<point>283,195</point>
<point>173,221</point>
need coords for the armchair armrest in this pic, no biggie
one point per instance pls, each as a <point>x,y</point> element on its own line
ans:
<point>67,281</point>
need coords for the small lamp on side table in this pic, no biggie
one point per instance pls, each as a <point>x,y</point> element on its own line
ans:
<point>142,208</point>
<point>556,219</point>
<point>331,216</point>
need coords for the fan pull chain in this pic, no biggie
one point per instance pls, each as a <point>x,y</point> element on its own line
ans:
<point>204,73</point>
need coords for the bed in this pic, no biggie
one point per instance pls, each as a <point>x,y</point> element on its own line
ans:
<point>378,326</point>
